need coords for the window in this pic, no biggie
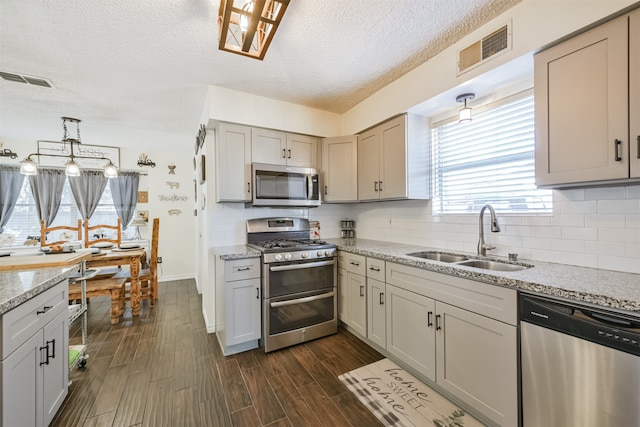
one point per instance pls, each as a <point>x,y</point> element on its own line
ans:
<point>24,220</point>
<point>490,160</point>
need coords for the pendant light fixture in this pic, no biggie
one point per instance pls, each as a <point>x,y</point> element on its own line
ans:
<point>465,113</point>
<point>29,167</point>
<point>246,27</point>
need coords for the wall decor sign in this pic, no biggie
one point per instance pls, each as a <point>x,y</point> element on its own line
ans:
<point>173,185</point>
<point>85,150</point>
<point>143,197</point>
<point>172,198</point>
<point>202,133</point>
<point>172,169</point>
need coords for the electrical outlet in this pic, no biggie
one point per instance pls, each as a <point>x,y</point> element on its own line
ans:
<point>159,260</point>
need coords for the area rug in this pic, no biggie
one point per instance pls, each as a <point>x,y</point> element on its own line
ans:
<point>398,399</point>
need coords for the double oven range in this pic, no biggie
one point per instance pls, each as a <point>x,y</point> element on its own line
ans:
<point>299,282</point>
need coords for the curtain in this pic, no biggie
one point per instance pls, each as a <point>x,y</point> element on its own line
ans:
<point>124,190</point>
<point>10,184</point>
<point>87,190</point>
<point>46,188</point>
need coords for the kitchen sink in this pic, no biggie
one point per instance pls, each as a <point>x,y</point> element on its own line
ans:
<point>438,256</point>
<point>493,265</point>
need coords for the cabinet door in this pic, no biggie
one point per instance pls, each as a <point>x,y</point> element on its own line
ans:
<point>477,362</point>
<point>56,372</point>
<point>357,300</point>
<point>393,161</point>
<point>343,296</point>
<point>243,311</point>
<point>411,330</point>
<point>302,150</point>
<point>340,169</point>
<point>376,312</point>
<point>634,91</point>
<point>233,163</point>
<point>581,97</point>
<point>268,146</point>
<point>369,165</point>
<point>22,382</point>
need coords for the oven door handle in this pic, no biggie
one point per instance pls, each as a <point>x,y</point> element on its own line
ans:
<point>301,266</point>
<point>302,300</point>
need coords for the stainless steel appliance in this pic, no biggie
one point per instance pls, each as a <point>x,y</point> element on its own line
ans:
<point>580,365</point>
<point>299,282</point>
<point>279,185</point>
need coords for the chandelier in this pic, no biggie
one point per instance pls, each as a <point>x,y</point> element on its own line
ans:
<point>247,29</point>
<point>29,167</point>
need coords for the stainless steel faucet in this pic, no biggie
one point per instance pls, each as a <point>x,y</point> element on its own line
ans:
<point>482,246</point>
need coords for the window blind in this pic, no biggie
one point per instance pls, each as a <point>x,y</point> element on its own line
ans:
<point>490,160</point>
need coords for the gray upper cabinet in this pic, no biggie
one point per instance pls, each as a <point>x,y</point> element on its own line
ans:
<point>233,163</point>
<point>282,148</point>
<point>393,160</point>
<point>582,95</point>
<point>340,169</point>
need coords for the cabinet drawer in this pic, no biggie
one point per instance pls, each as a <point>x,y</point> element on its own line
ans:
<point>486,299</point>
<point>351,262</point>
<point>375,269</point>
<point>20,323</point>
<point>241,269</point>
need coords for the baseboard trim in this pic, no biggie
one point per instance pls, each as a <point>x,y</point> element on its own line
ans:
<point>176,277</point>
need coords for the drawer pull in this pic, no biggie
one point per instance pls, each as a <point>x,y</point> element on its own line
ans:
<point>354,263</point>
<point>361,291</point>
<point>374,268</point>
<point>53,348</point>
<point>257,293</point>
<point>46,355</point>
<point>438,322</point>
<point>381,300</point>
<point>284,151</point>
<point>244,269</point>
<point>429,320</point>
<point>44,309</point>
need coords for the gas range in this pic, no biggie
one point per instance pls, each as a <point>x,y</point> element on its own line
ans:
<point>286,239</point>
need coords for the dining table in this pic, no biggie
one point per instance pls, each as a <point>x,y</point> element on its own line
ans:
<point>134,258</point>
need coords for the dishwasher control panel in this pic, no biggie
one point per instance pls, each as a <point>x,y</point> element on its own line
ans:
<point>599,326</point>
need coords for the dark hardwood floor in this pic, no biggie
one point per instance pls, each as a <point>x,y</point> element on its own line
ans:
<point>162,369</point>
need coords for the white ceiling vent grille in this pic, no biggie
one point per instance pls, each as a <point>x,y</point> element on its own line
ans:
<point>19,78</point>
<point>481,51</point>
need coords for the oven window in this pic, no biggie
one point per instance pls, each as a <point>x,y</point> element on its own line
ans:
<point>300,315</point>
<point>294,281</point>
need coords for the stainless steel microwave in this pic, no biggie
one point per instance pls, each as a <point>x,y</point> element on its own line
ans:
<point>279,185</point>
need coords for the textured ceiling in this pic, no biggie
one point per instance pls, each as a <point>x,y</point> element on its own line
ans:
<point>136,71</point>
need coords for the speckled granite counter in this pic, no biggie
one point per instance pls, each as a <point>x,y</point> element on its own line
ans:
<point>17,287</point>
<point>602,287</point>
<point>235,252</point>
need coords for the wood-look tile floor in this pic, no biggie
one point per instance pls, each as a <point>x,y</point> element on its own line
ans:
<point>162,369</point>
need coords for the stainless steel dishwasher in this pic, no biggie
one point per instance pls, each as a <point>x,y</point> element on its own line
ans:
<point>580,365</point>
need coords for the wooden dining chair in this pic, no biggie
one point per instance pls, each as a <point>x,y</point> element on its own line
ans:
<point>149,275</point>
<point>88,229</point>
<point>75,232</point>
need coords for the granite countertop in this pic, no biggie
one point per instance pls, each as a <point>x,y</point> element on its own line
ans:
<point>605,288</point>
<point>602,287</point>
<point>235,252</point>
<point>17,287</point>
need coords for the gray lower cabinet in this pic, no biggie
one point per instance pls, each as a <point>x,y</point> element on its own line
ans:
<point>458,333</point>
<point>35,364</point>
<point>352,292</point>
<point>238,299</point>
<point>376,312</point>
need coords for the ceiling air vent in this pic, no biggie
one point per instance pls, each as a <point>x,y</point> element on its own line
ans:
<point>36,81</point>
<point>481,51</point>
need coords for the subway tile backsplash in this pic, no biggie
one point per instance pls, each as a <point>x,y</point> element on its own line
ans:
<point>595,227</point>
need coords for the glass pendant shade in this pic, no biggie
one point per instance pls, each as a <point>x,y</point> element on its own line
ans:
<point>72,168</point>
<point>28,167</point>
<point>110,170</point>
<point>465,115</point>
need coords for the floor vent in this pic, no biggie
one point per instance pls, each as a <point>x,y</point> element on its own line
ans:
<point>36,81</point>
<point>481,51</point>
